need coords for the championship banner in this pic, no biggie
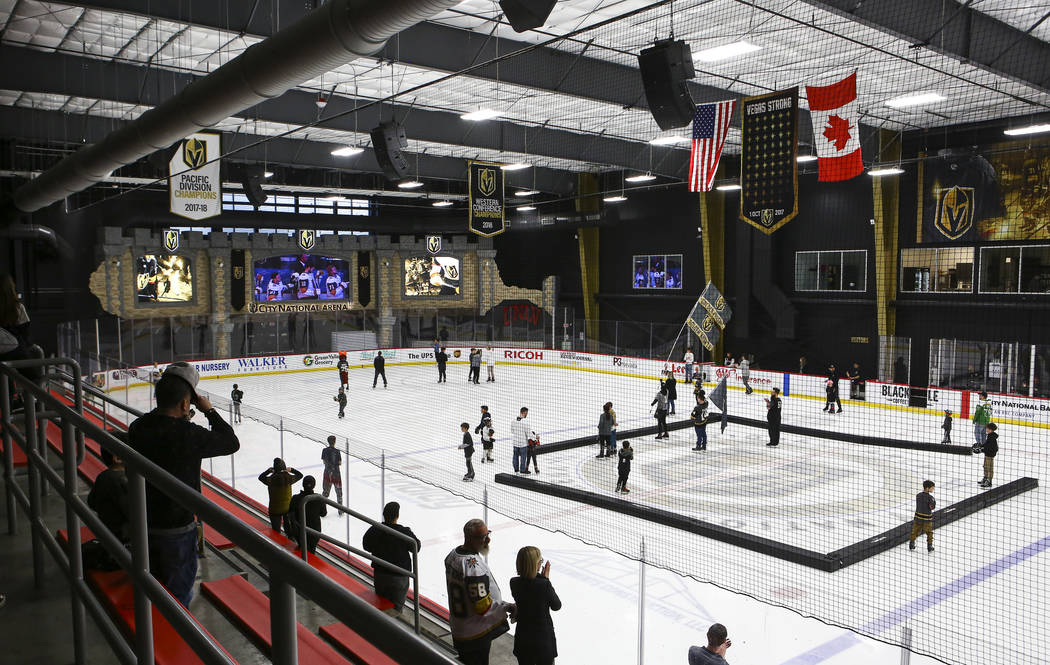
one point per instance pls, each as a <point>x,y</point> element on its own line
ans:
<point>292,307</point>
<point>237,279</point>
<point>194,184</point>
<point>768,174</point>
<point>364,278</point>
<point>715,304</point>
<point>485,184</point>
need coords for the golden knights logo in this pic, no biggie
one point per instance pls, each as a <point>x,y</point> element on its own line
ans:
<point>171,240</point>
<point>433,244</point>
<point>238,272</point>
<point>707,325</point>
<point>307,239</point>
<point>487,181</point>
<point>452,271</point>
<point>767,217</point>
<point>720,304</point>
<point>955,212</point>
<point>194,153</point>
<point>363,271</point>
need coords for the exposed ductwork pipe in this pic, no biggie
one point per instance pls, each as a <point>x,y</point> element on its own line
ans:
<point>330,36</point>
<point>38,233</point>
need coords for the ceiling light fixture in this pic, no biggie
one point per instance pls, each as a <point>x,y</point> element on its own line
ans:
<point>616,198</point>
<point>526,208</point>
<point>641,177</point>
<point>267,174</point>
<point>516,166</point>
<point>668,140</point>
<point>725,52</point>
<point>1030,129</point>
<point>444,203</point>
<point>885,170</point>
<point>802,159</point>
<point>335,197</point>
<point>526,192</point>
<point>410,184</point>
<point>480,114</point>
<point>732,187</point>
<point>348,151</point>
<point>915,99</point>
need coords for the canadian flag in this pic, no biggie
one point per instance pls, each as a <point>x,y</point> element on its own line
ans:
<point>833,110</point>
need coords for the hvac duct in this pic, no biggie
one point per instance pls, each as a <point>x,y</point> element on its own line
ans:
<point>330,36</point>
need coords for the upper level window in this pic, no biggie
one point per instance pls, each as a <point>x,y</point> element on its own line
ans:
<point>943,269</point>
<point>831,271</point>
<point>1015,269</point>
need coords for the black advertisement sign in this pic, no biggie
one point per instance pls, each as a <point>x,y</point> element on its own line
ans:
<point>364,278</point>
<point>486,199</point>
<point>768,177</point>
<point>237,279</point>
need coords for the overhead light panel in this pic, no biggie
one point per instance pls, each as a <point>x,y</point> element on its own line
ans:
<point>618,198</point>
<point>728,188</point>
<point>526,208</point>
<point>410,184</point>
<point>441,204</point>
<point>526,192</point>
<point>802,159</point>
<point>480,114</point>
<point>641,177</point>
<point>915,99</point>
<point>725,52</point>
<point>516,166</point>
<point>885,170</point>
<point>1030,129</point>
<point>348,151</point>
<point>668,140</point>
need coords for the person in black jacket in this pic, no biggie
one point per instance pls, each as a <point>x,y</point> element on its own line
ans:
<point>236,396</point>
<point>832,389</point>
<point>923,522</point>
<point>534,641</point>
<point>315,510</point>
<point>380,365</point>
<point>341,398</point>
<point>383,545</point>
<point>623,466</point>
<point>773,417</point>
<point>109,496</point>
<point>672,391</point>
<point>991,449</point>
<point>442,362</point>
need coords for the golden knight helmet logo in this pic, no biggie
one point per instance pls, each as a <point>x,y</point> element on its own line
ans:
<point>707,325</point>
<point>955,212</point>
<point>238,272</point>
<point>363,271</point>
<point>194,153</point>
<point>487,181</point>
<point>767,217</point>
<point>307,239</point>
<point>171,240</point>
<point>720,304</point>
<point>433,244</point>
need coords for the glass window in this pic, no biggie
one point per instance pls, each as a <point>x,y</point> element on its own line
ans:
<point>1000,269</point>
<point>854,271</point>
<point>1035,269</point>
<point>944,270</point>
<point>831,271</point>
<point>805,271</point>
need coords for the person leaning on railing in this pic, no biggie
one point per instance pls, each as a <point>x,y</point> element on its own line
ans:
<point>167,438</point>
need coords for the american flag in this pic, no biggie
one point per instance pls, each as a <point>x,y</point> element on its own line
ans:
<point>710,127</point>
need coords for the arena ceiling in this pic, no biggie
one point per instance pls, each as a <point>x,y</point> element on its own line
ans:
<point>568,96</point>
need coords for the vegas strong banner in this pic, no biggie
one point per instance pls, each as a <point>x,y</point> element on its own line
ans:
<point>194,184</point>
<point>486,199</point>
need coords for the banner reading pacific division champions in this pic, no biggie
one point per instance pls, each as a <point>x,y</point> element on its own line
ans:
<point>768,177</point>
<point>486,199</point>
<point>194,181</point>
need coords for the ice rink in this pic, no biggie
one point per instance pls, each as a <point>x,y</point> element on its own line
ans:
<point>988,574</point>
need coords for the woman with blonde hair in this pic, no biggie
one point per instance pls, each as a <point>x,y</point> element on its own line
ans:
<point>534,642</point>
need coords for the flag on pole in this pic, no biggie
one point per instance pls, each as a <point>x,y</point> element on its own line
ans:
<point>710,127</point>
<point>718,398</point>
<point>836,136</point>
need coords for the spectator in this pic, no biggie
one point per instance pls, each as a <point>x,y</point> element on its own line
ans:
<point>856,384</point>
<point>315,510</point>
<point>332,459</point>
<point>380,366</point>
<point>534,641</point>
<point>468,450</point>
<point>991,449</point>
<point>660,402</point>
<point>475,366</point>
<point>831,387</point>
<point>279,480</point>
<point>442,363</point>
<point>166,437</point>
<point>489,356</point>
<point>236,396</point>
<point>982,415</point>
<point>699,417</point>
<point>521,432</point>
<point>730,361</point>
<point>477,613</point>
<point>802,365</point>
<point>605,425</point>
<point>389,583</point>
<point>612,433</point>
<point>533,452</point>
<point>14,330</point>
<point>672,391</point>
<point>437,346</point>
<point>715,651</point>
<point>341,398</point>
<point>623,466</point>
<point>923,521</point>
<point>773,406</point>
<point>109,496</point>
<point>947,427</point>
<point>688,359</point>
<point>745,374</point>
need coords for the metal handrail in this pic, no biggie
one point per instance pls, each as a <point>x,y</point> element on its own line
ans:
<point>287,573</point>
<point>413,547</point>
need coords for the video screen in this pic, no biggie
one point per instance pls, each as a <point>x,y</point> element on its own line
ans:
<point>301,277</point>
<point>432,276</point>
<point>658,271</point>
<point>163,278</point>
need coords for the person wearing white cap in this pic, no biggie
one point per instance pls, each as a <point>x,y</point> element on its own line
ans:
<point>166,437</point>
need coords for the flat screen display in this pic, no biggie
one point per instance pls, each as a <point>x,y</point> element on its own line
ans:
<point>163,278</point>
<point>432,276</point>
<point>301,277</point>
<point>658,271</point>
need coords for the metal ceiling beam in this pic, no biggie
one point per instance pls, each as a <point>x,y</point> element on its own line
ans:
<point>957,31</point>
<point>33,125</point>
<point>58,73</point>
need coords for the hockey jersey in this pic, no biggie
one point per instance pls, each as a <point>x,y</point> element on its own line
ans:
<point>306,285</point>
<point>476,609</point>
<point>274,290</point>
<point>334,287</point>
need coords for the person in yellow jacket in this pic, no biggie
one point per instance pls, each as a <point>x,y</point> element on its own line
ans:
<point>279,480</point>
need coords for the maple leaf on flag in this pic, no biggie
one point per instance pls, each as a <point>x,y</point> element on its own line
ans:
<point>837,131</point>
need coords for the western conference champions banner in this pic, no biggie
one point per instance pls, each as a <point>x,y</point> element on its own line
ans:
<point>194,184</point>
<point>485,184</point>
<point>768,174</point>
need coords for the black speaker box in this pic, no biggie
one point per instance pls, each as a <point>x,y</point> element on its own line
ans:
<point>388,140</point>
<point>526,14</point>
<point>252,183</point>
<point>666,67</point>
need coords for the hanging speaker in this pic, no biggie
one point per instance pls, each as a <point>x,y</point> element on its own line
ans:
<point>251,181</point>
<point>526,14</point>
<point>388,140</point>
<point>666,67</point>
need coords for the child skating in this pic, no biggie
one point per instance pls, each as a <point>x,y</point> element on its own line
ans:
<point>341,398</point>
<point>468,450</point>
<point>947,427</point>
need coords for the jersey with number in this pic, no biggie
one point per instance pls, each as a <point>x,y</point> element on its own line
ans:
<point>274,290</point>
<point>476,609</point>
<point>334,286</point>
<point>306,285</point>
